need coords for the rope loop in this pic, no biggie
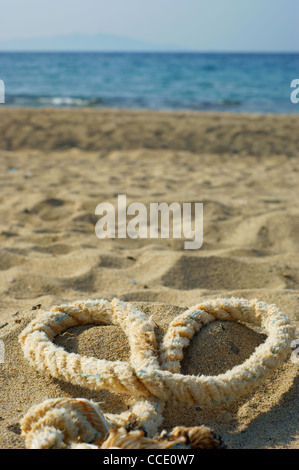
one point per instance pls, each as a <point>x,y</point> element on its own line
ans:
<point>152,377</point>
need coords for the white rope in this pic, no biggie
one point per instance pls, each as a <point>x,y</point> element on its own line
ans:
<point>150,377</point>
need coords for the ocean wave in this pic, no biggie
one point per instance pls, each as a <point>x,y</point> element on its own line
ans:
<point>223,103</point>
<point>119,102</point>
<point>55,101</point>
<point>203,105</point>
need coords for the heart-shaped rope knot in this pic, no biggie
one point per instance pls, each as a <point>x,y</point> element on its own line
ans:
<point>152,376</point>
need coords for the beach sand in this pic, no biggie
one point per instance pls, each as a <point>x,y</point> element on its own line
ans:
<point>58,165</point>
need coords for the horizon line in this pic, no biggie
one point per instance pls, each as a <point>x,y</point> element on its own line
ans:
<point>187,51</point>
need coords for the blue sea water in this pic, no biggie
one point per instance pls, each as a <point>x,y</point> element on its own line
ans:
<point>257,83</point>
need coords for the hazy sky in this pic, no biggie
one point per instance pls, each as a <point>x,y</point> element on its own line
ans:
<point>224,25</point>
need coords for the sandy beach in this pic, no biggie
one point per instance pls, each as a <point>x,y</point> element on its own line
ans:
<point>57,165</point>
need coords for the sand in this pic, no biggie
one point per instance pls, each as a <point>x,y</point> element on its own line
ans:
<point>57,165</point>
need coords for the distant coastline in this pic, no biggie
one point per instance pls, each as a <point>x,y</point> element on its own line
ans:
<point>111,43</point>
<point>84,43</point>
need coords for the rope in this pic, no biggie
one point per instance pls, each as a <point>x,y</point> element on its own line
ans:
<point>151,377</point>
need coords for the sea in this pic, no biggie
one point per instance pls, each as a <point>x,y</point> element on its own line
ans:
<point>231,82</point>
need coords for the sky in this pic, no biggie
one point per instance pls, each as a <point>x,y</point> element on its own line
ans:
<point>203,25</point>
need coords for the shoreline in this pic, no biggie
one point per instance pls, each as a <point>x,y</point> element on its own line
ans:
<point>142,110</point>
